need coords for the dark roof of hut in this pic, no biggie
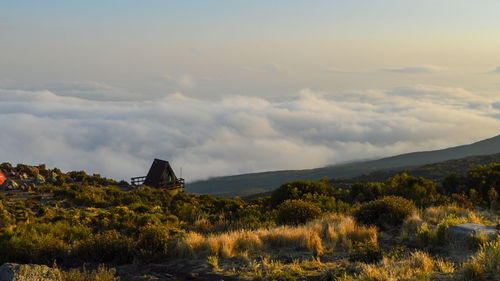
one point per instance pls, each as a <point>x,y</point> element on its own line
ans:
<point>159,173</point>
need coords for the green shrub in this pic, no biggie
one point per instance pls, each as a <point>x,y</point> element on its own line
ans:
<point>437,236</point>
<point>366,253</point>
<point>365,191</point>
<point>153,243</point>
<point>482,179</point>
<point>299,190</point>
<point>172,221</point>
<point>461,201</point>
<point>447,222</point>
<point>297,212</point>
<point>41,242</point>
<point>451,184</point>
<point>418,189</point>
<point>148,219</point>
<point>34,248</point>
<point>387,212</point>
<point>109,246</point>
<point>425,235</point>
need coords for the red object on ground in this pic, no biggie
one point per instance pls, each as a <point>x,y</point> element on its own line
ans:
<point>2,178</point>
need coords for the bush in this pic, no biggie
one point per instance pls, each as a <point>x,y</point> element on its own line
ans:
<point>40,242</point>
<point>447,222</point>
<point>297,212</point>
<point>153,243</point>
<point>298,190</point>
<point>365,191</point>
<point>106,247</point>
<point>422,191</point>
<point>387,212</point>
<point>425,235</point>
<point>461,201</point>
<point>366,253</point>
<point>482,179</point>
<point>36,248</point>
<point>451,184</point>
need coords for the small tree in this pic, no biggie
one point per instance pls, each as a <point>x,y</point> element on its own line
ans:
<point>418,189</point>
<point>386,212</point>
<point>451,184</point>
<point>295,212</point>
<point>295,190</point>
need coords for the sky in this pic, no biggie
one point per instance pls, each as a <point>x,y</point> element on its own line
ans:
<point>229,87</point>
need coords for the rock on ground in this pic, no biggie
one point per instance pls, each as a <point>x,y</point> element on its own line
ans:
<point>27,272</point>
<point>466,230</point>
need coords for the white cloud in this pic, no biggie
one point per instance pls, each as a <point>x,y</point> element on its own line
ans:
<point>237,134</point>
<point>271,67</point>
<point>88,90</point>
<point>424,69</point>
<point>339,70</point>
<point>184,81</point>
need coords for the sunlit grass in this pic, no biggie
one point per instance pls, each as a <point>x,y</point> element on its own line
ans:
<point>328,233</point>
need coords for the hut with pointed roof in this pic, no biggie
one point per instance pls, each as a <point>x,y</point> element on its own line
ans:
<point>160,175</point>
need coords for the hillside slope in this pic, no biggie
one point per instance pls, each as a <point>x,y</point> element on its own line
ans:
<point>246,184</point>
<point>435,171</point>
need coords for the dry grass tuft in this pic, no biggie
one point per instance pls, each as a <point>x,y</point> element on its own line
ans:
<point>213,262</point>
<point>247,241</point>
<point>485,265</point>
<point>444,266</point>
<point>202,225</point>
<point>99,274</point>
<point>314,243</point>
<point>412,223</point>
<point>417,266</point>
<point>430,229</point>
<point>373,273</point>
<point>192,245</point>
<point>434,215</point>
<point>333,231</point>
<point>421,261</point>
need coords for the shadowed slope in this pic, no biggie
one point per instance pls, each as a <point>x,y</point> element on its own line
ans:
<point>246,184</point>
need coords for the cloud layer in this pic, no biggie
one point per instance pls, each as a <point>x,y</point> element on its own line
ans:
<point>424,69</point>
<point>236,134</point>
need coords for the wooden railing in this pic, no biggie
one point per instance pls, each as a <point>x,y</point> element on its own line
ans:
<point>179,183</point>
<point>137,181</point>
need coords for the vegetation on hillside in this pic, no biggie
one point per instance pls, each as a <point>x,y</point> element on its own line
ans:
<point>435,171</point>
<point>390,230</point>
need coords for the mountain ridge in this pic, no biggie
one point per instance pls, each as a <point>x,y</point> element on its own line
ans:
<point>247,184</point>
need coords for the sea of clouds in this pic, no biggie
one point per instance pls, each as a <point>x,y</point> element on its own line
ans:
<point>84,130</point>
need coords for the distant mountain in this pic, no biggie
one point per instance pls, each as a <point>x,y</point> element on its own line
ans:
<point>435,171</point>
<point>247,184</point>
